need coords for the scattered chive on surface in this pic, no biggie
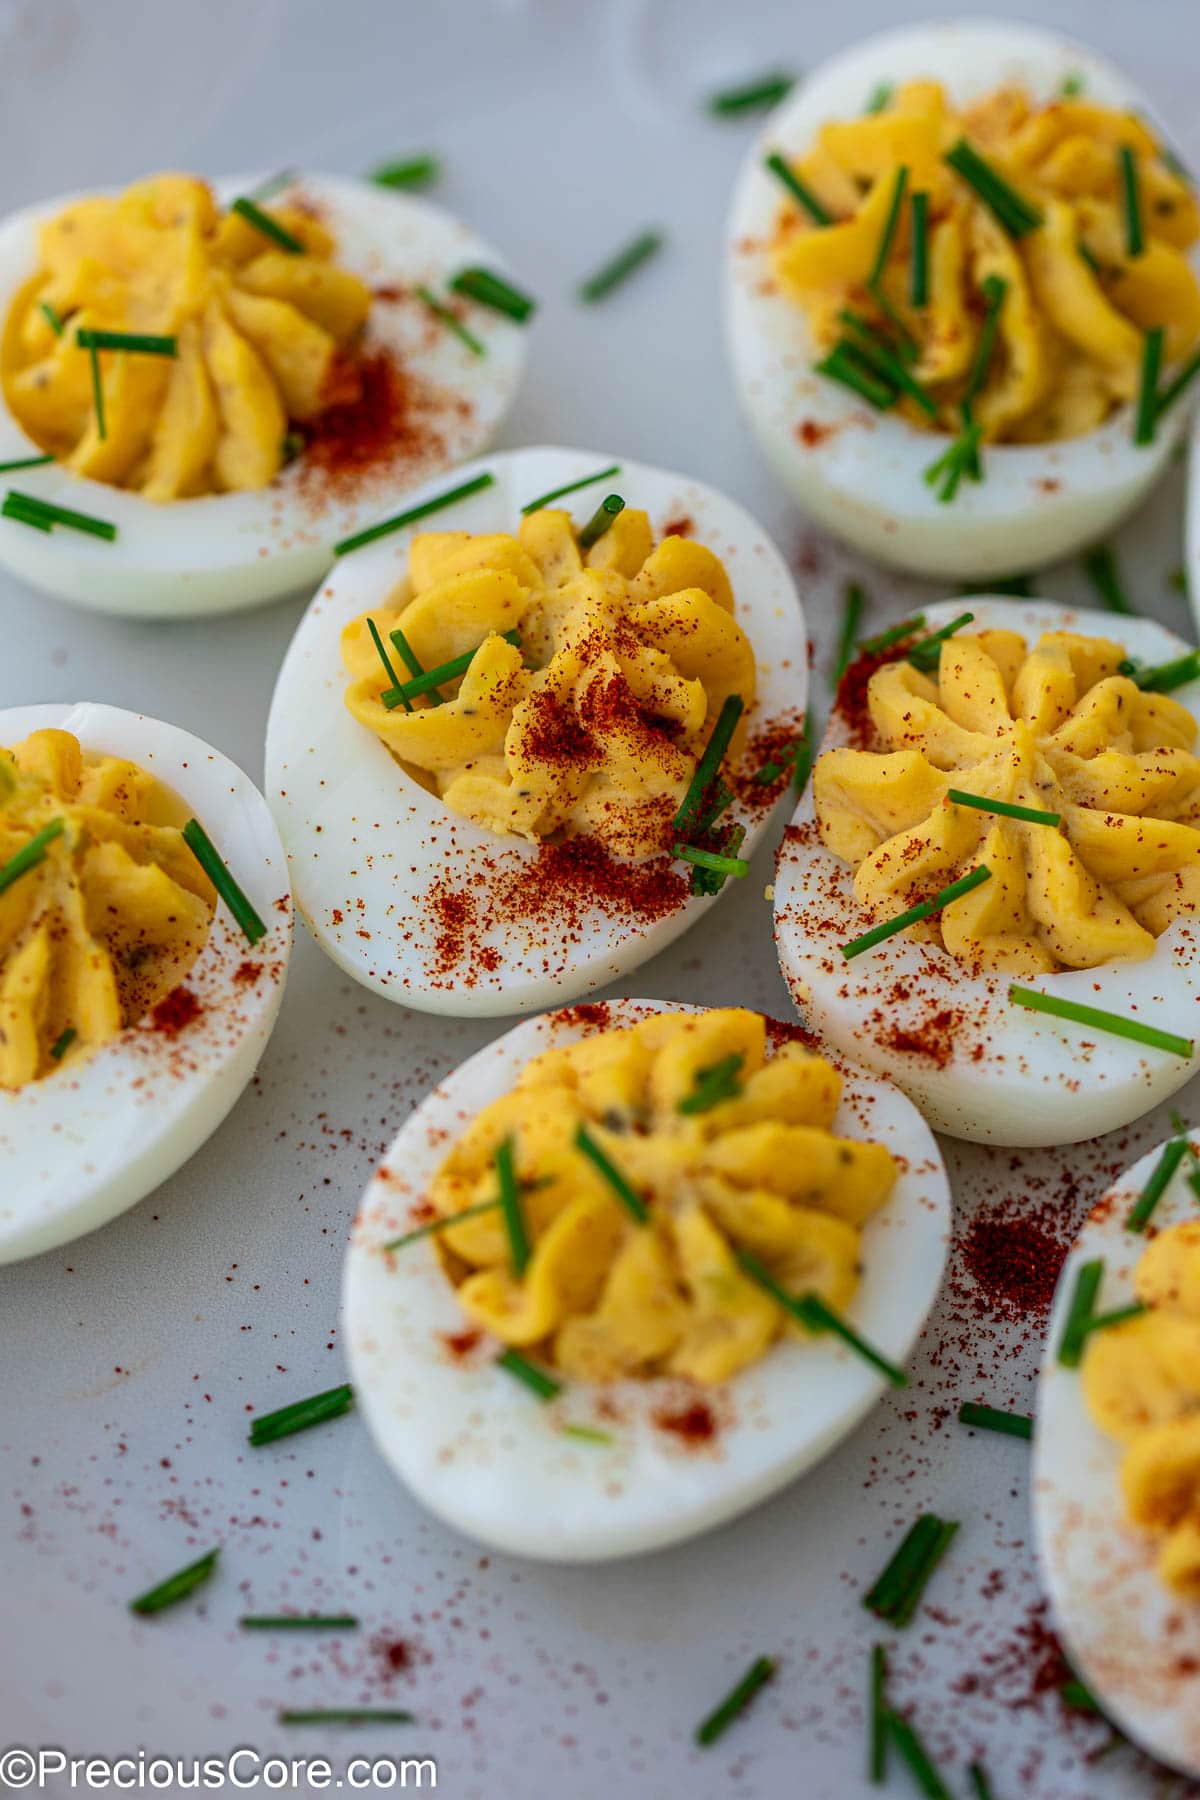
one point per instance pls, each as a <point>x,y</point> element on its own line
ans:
<point>1116,1023</point>
<point>52,318</point>
<point>26,515</point>
<point>345,1715</point>
<point>916,1758</point>
<point>450,320</point>
<point>588,1434</point>
<point>25,462</point>
<point>142,342</point>
<point>990,1418</point>
<point>924,909</point>
<point>292,445</point>
<point>1100,567</point>
<point>298,1622</point>
<point>274,184</point>
<point>765,90</point>
<point>710,762</point>
<point>1160,1180</point>
<point>438,1225</point>
<point>510,1205</point>
<point>1161,678</point>
<point>205,853</point>
<point>627,1195</point>
<point>804,197</point>
<point>845,365</point>
<point>813,1312</point>
<point>888,235</point>
<point>713,1085</point>
<point>399,520</point>
<point>411,660</point>
<point>979,1782</point>
<point>489,289</point>
<point>30,854</point>
<point>1080,1312</point>
<point>712,860</point>
<point>880,96</point>
<point>895,634</point>
<point>1072,85</point>
<point>430,680</point>
<point>384,658</point>
<point>30,510</point>
<point>926,653</point>
<point>1193,1155</point>
<point>176,1587</point>
<point>621,266</point>
<point>852,612</point>
<point>408,172</point>
<point>1005,808</point>
<point>268,1428</point>
<point>570,487</point>
<point>98,395</point>
<point>267,226</point>
<point>918,278</point>
<point>962,458</point>
<point>994,291</point>
<point>610,508</point>
<point>1179,386</point>
<point>802,765</point>
<point>869,347</point>
<point>877,1742</point>
<point>1146,412</point>
<point>1131,201</point>
<point>543,1385</point>
<point>895,1596</point>
<point>62,1044</point>
<point>1011,210</point>
<point>1077,1694</point>
<point>736,1701</point>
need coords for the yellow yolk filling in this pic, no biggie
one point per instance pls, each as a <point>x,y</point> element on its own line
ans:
<point>595,723</point>
<point>259,334</point>
<point>1057,729</point>
<point>1077,302</point>
<point>1141,1381</point>
<point>604,1296</point>
<point>108,921</point>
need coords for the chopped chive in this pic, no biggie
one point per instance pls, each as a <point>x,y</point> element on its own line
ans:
<point>962,458</point>
<point>803,195</point>
<point>1131,199</point>
<point>53,319</point>
<point>813,1313</point>
<point>432,679</point>
<point>913,1753</point>
<point>451,321</point>
<point>1071,85</point>
<point>386,660</point>
<point>1030,814</point>
<point>895,1596</point>
<point>410,172</point>
<point>708,767</point>
<point>877,1756</point>
<point>267,226</point>
<point>205,853</point>
<point>1100,567</point>
<point>707,878</point>
<point>1193,1155</point>
<point>618,269</point>
<point>722,799</point>
<point>994,290</point>
<point>880,96</point>
<point>400,520</point>
<point>1075,1693</point>
<point>1181,383</point>
<point>298,1622</point>
<point>21,514</point>
<point>918,278</point>
<point>413,664</point>
<point>1120,1315</point>
<point>1160,1179</point>
<point>438,1225</point>
<point>767,90</point>
<point>610,508</point>
<point>30,854</point>
<point>914,915</point>
<point>736,1701</point>
<point>1116,1023</point>
<point>852,612</point>
<point>1079,1314</point>
<point>926,652</point>
<point>879,356</point>
<point>267,1428</point>
<point>25,462</point>
<point>1091,261</point>
<point>543,1385</point>
<point>588,1434</point>
<point>989,1418</point>
<point>895,634</point>
<point>1146,415</point>
<point>979,1781</point>
<point>802,767</point>
<point>510,1205</point>
<point>887,236</point>
<point>274,184</point>
<point>1019,585</point>
<point>629,1198</point>
<point>144,342</point>
<point>711,1086</point>
<point>98,395</point>
<point>62,1044</point>
<point>16,504</point>
<point>571,487</point>
<point>709,859</point>
<point>175,1587</point>
<point>1163,677</point>
<point>489,289</point>
<point>847,366</point>
<point>1011,210</point>
<point>345,1715</point>
<point>291,446</point>
<point>1179,581</point>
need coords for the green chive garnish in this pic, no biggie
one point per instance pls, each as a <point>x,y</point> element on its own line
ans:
<point>400,520</point>
<point>543,1385</point>
<point>802,767</point>
<point>489,289</point>
<point>62,1044</point>
<point>1135,241</point>
<point>895,1596</point>
<point>979,1781</point>
<point>962,458</point>
<point>1079,1314</point>
<point>1011,210</point>
<point>30,854</point>
<point>1075,1693</point>
<point>852,612</point>
<point>510,1205</point>
<point>451,321</point>
<point>98,395</point>
<point>386,660</point>
<point>767,90</point>
<point>1146,415</point>
<point>846,365</point>
<point>880,96</point>
<point>571,487</point>
<point>887,236</point>
<point>53,319</point>
<point>175,1587</point>
<point>918,279</point>
<point>413,664</point>
<point>142,342</point>
<point>1019,585</point>
<point>895,634</point>
<point>619,267</point>
<point>411,172</point>
<point>877,1759</point>
<point>710,762</point>
<point>29,510</point>
<point>1163,677</point>
<point>913,1753</point>
<point>437,1225</point>
<point>813,1313</point>
<point>267,1428</point>
<point>1160,1179</point>
<point>298,1622</point>
<point>267,226</point>
<point>881,359</point>
<point>610,508</point>
<point>709,859</point>
<point>801,194</point>
<point>1193,1155</point>
<point>345,1715</point>
<point>994,290</point>
<point>1116,1023</point>
<point>274,184</point>
<point>923,910</point>
<point>629,1198</point>
<point>711,1086</point>
<point>989,1418</point>
<point>736,1701</point>
<point>431,679</point>
<point>291,446</point>
<point>588,1434</point>
<point>1030,814</point>
<point>25,462</point>
<point>205,853</point>
<point>23,514</point>
<point>1100,567</point>
<point>1181,383</point>
<point>1071,85</point>
<point>926,653</point>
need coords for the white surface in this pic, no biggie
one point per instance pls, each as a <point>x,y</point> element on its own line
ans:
<point>565,128</point>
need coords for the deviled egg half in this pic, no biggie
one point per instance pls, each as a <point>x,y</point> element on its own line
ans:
<point>1000,760</point>
<point>134,1003</point>
<point>634,1267</point>
<point>1116,1466</point>
<point>948,253</point>
<point>618,706</point>
<point>201,392</point>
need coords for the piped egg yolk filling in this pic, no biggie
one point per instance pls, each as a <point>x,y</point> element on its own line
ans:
<point>1077,298</point>
<point>260,336</point>
<point>108,916</point>
<point>1057,729</point>
<point>750,1165</point>
<point>1141,1382</point>
<point>594,680</point>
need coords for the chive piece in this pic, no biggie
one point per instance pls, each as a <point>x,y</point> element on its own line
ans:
<point>1079,1314</point>
<point>722,799</point>
<point>880,96</point>
<point>411,172</point>
<point>989,1418</point>
<point>510,1205</point>
<point>400,520</point>
<point>852,612</point>
<point>1019,585</point>
<point>25,462</point>
<point>707,768</point>
<point>1135,240</point>
<point>345,1715</point>
<point>813,1312</point>
<point>962,458</point>
<point>571,487</point>
<point>437,1225</point>
<point>713,1085</point>
<point>923,910</point>
<point>877,1756</point>
<point>98,395</point>
<point>896,1594</point>
<point>291,446</point>
<point>979,1781</point>
<point>736,1701</point>
<point>895,634</point>
<point>62,1044</point>
<point>1071,85</point>
<point>913,1753</point>
<point>386,660</point>
<point>1100,567</point>
<point>1116,1023</point>
<point>143,342</point>
<point>1193,1155</point>
<point>413,664</point>
<point>848,367</point>
<point>267,1428</point>
<point>26,515</point>
<point>451,321</point>
<point>993,290</point>
<point>803,195</point>
<point>1160,1179</point>
<point>588,1434</point>
<point>918,278</point>
<point>1179,581</point>
<point>298,1622</point>
<point>432,679</point>
<point>1163,677</point>
<point>629,1198</point>
<point>267,226</point>
<point>1030,814</point>
<point>543,1385</point>
<point>1075,1693</point>
<point>1146,413</point>
<point>274,184</point>
<point>53,319</point>
<point>175,1587</point>
<point>1011,210</point>
<point>610,508</point>
<point>489,289</point>
<point>619,267</point>
<point>1120,1315</point>
<point>30,854</point>
<point>887,236</point>
<point>767,90</point>
<point>1181,383</point>
<point>16,503</point>
<point>926,653</point>
<point>205,853</point>
<point>878,354</point>
<point>708,878</point>
<point>802,767</point>
<point>709,859</point>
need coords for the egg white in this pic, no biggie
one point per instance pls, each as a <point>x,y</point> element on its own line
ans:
<point>1129,1637</point>
<point>90,1140</point>
<point>1012,1076</point>
<point>484,1454</point>
<point>862,475</point>
<point>367,843</point>
<point>223,552</point>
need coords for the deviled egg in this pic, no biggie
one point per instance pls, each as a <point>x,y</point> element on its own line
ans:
<point>999,760</point>
<point>201,392</point>
<point>618,706</point>
<point>134,1003</point>
<point>1116,1471</point>
<point>634,1267</point>
<point>949,252</point>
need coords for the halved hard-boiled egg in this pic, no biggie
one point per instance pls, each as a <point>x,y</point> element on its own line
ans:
<point>1017,763</point>
<point>218,389</point>
<point>688,1253</point>
<point>619,705</point>
<point>1116,1469</point>
<point>134,1003</point>
<point>941,294</point>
